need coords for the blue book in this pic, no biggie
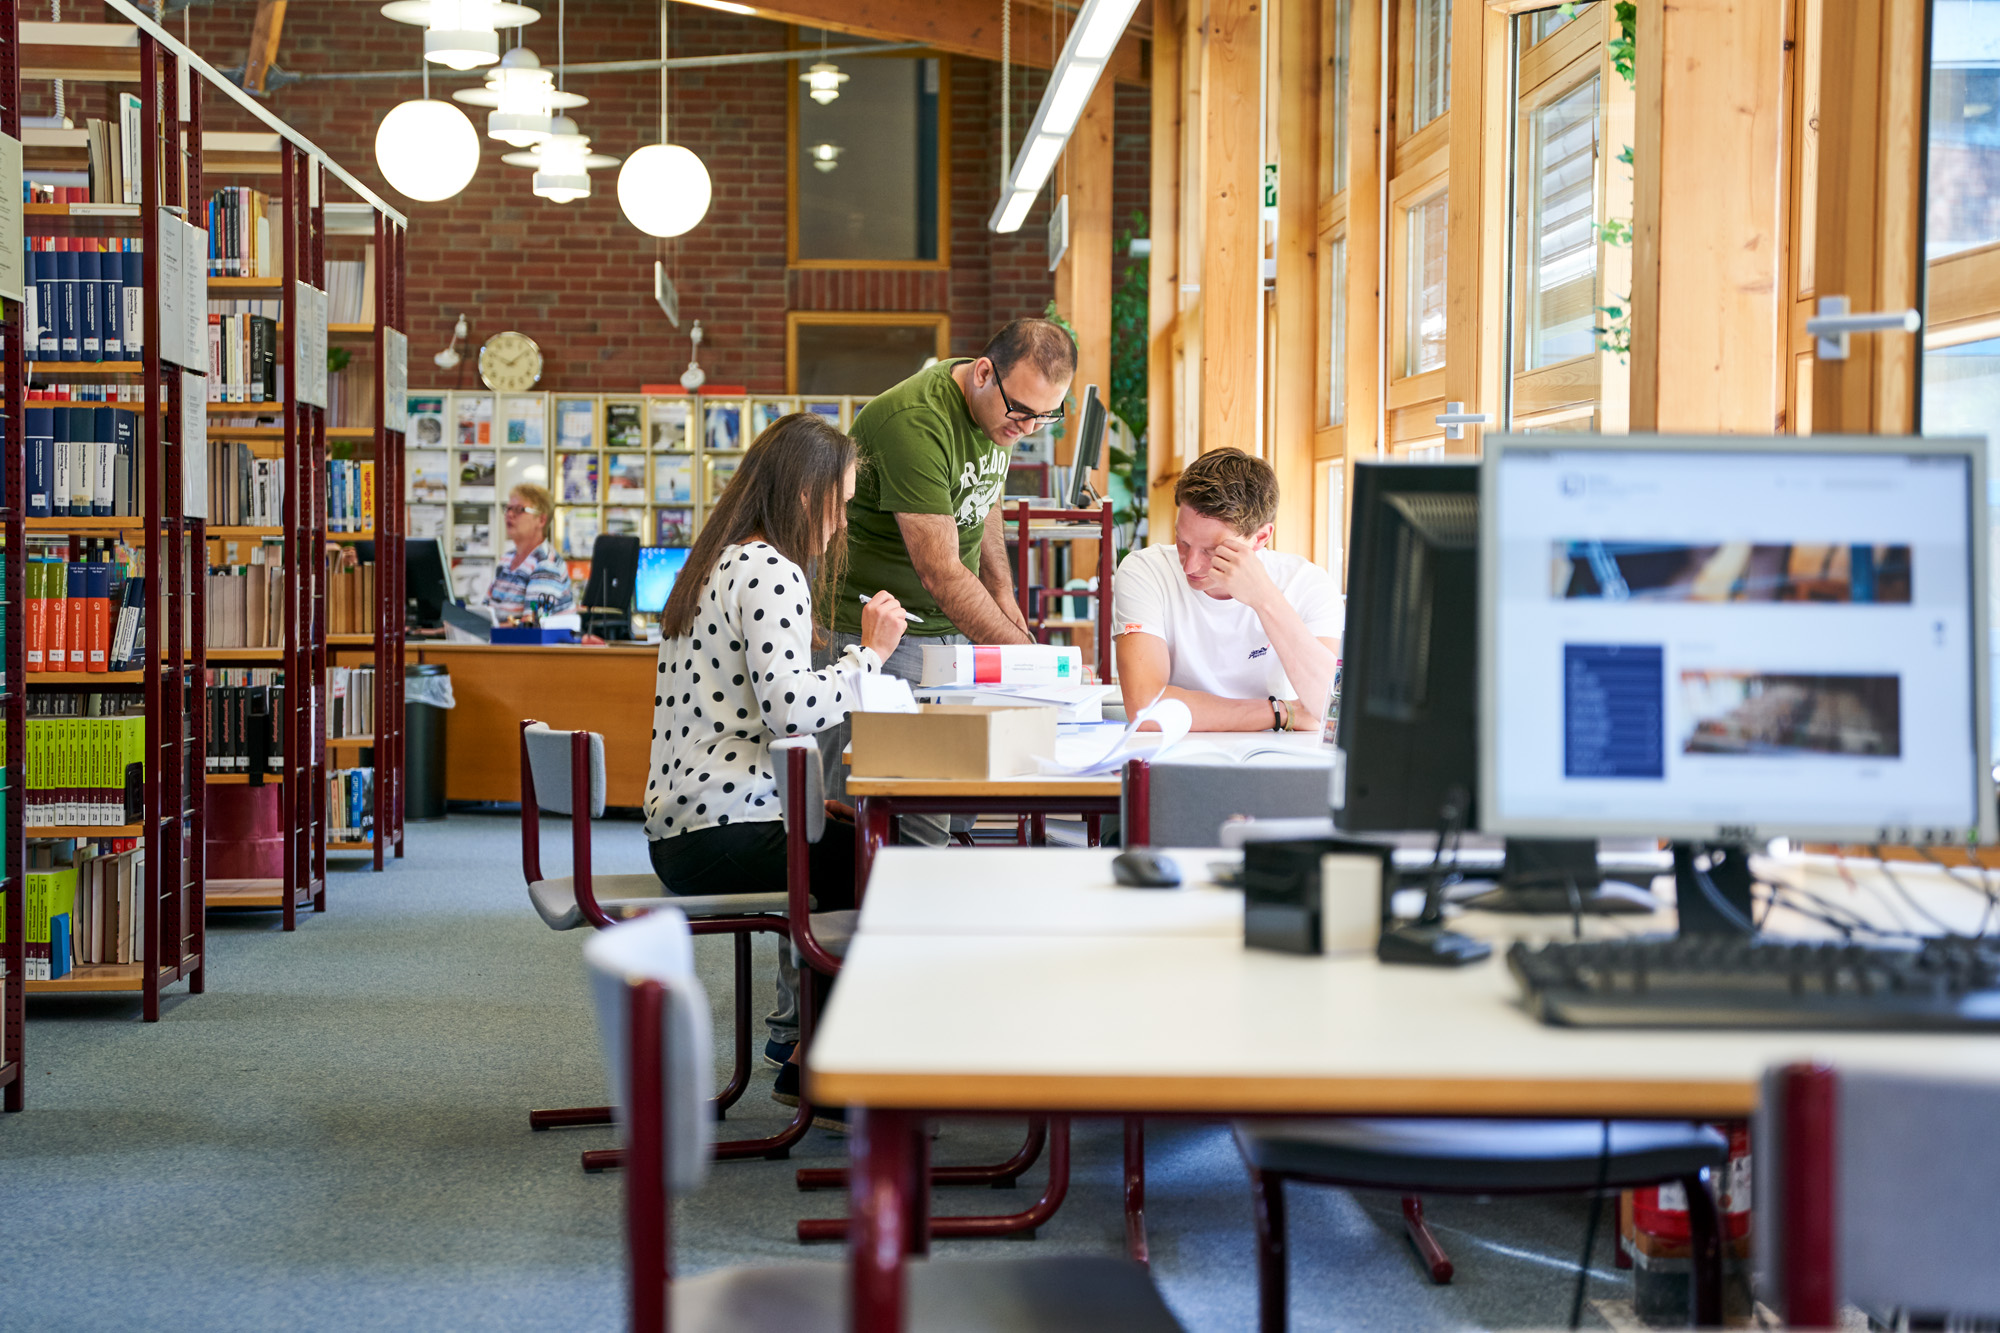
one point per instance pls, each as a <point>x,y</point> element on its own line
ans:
<point>90,305</point>
<point>111,299</point>
<point>104,459</point>
<point>46,346</point>
<point>59,481</point>
<point>40,442</point>
<point>59,947</point>
<point>134,265</point>
<point>97,588</point>
<point>69,331</point>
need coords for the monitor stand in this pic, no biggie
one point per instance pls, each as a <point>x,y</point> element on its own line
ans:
<point>1427,941</point>
<point>1548,875</point>
<point>1714,898</point>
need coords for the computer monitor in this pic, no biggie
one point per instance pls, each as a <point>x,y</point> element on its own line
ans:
<point>427,579</point>
<point>1089,451</point>
<point>607,593</point>
<point>1724,639</point>
<point>1407,729</point>
<point>659,566</point>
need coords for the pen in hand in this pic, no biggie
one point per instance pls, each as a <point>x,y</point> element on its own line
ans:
<point>914,620</point>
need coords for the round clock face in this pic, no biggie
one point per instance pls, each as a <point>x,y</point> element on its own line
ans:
<point>510,362</point>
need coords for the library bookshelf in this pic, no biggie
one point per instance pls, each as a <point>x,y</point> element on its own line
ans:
<point>170,531</point>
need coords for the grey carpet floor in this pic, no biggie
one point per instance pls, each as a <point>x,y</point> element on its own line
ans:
<point>335,1136</point>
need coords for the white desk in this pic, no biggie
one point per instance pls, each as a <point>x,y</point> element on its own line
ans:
<point>937,1013</point>
<point>1041,891</point>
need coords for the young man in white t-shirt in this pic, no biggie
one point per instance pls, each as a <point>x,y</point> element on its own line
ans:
<point>1247,637</point>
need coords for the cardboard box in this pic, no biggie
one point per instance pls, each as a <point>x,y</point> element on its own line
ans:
<point>952,741</point>
<point>1005,664</point>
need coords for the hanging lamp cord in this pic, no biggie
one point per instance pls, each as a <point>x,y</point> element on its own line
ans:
<point>1006,87</point>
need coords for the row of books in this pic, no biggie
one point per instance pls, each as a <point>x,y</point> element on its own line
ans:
<point>85,606</point>
<point>243,354</point>
<point>45,391</point>
<point>244,705</point>
<point>84,911</point>
<point>243,234</point>
<point>82,462</point>
<point>350,290</point>
<point>350,804</point>
<point>243,489</point>
<point>350,707</point>
<point>350,600</point>
<point>84,771</point>
<point>86,298</point>
<point>246,602</point>
<point>114,154</point>
<point>350,495</point>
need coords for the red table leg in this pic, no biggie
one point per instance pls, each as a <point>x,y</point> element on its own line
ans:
<point>1135,1188</point>
<point>880,1200</point>
<point>871,830</point>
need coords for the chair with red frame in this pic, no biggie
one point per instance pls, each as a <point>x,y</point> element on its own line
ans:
<point>555,766</point>
<point>1879,1190</point>
<point>820,940</point>
<point>654,1020</point>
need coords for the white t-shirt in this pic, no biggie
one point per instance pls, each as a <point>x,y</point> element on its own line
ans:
<point>1218,645</point>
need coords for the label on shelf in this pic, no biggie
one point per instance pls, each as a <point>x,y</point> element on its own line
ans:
<point>396,379</point>
<point>194,445</point>
<point>13,251</point>
<point>309,343</point>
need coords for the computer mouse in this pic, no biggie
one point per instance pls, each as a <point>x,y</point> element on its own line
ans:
<point>1145,870</point>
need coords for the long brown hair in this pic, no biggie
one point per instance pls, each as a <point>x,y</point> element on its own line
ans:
<point>798,455</point>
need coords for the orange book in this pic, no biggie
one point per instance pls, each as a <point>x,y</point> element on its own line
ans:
<point>38,612</point>
<point>55,640</point>
<point>368,497</point>
<point>74,613</point>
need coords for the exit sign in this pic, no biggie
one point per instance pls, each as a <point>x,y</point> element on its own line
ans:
<point>1271,189</point>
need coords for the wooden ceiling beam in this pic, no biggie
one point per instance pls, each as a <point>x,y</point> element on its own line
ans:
<point>965,28</point>
<point>263,53</point>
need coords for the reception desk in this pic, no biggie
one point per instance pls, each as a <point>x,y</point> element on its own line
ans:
<point>608,690</point>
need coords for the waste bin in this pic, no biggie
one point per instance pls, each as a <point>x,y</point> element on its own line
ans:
<point>426,694</point>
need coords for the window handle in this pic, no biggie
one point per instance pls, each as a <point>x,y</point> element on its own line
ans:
<point>1833,325</point>
<point>1455,419</point>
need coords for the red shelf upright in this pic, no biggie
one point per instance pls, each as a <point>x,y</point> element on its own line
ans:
<point>13,663</point>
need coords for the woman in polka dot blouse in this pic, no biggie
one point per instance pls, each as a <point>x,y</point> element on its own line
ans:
<point>735,674</point>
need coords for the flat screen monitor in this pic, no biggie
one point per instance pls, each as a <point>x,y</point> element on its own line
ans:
<point>1408,678</point>
<point>1089,450</point>
<point>427,580</point>
<point>607,593</point>
<point>659,566</point>
<point>1730,639</point>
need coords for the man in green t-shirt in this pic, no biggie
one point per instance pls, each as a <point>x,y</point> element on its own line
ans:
<point>924,522</point>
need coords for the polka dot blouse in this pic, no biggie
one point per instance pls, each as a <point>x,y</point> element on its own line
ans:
<point>741,678</point>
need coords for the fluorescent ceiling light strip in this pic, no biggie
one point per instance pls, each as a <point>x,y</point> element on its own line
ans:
<point>1077,70</point>
<point>726,6</point>
<point>1062,105</point>
<point>1099,28</point>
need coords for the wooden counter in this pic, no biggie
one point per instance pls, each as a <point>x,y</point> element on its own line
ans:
<point>603,689</point>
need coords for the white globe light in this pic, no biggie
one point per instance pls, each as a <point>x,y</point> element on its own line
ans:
<point>428,150</point>
<point>664,189</point>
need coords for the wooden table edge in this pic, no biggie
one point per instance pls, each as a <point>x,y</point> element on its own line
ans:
<point>1094,788</point>
<point>1227,1096</point>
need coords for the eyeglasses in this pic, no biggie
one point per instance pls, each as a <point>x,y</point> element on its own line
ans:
<point>515,511</point>
<point>1026,416</point>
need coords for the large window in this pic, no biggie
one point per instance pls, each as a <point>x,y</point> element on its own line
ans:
<point>1336,334</point>
<point>1430,64</point>
<point>867,168</point>
<point>1427,225</point>
<point>1560,242</point>
<point>846,352</point>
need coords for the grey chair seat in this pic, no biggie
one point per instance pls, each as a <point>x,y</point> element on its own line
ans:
<point>1475,1155</point>
<point>626,896</point>
<point>835,930</point>
<point>1074,1294</point>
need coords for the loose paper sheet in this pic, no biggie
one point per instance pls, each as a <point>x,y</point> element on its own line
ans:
<point>194,445</point>
<point>13,253</point>
<point>1173,719</point>
<point>396,379</point>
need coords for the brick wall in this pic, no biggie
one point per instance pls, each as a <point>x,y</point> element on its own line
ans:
<point>577,277</point>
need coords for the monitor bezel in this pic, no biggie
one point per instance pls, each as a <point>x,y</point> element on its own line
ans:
<point>1493,820</point>
<point>641,569</point>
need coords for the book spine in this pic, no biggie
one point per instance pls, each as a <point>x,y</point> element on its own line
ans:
<point>38,613</point>
<point>48,344</point>
<point>89,295</point>
<point>82,461</point>
<point>59,483</point>
<point>69,331</point>
<point>39,429</point>
<point>97,627</point>
<point>104,453</point>
<point>76,612</point>
<point>134,287</point>
<point>112,296</point>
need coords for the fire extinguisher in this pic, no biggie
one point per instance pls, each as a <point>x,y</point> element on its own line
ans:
<point>1655,1238</point>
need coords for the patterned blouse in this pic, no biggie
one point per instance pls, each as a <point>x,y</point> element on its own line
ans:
<point>541,581</point>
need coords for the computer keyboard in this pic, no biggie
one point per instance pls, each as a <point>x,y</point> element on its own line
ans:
<point>1728,982</point>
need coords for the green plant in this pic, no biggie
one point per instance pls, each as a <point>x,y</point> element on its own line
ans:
<point>1615,333</point>
<point>337,359</point>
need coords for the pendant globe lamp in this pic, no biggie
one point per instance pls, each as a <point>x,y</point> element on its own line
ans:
<point>427,149</point>
<point>663,188</point>
<point>823,78</point>
<point>461,34</point>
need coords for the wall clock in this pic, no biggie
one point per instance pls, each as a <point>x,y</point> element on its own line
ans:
<point>510,363</point>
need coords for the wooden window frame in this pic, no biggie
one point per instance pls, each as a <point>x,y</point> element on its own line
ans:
<point>1425,181</point>
<point>937,320</point>
<point>943,261</point>
<point>1417,142</point>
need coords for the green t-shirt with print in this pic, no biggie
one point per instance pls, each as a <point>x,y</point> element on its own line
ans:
<point>921,453</point>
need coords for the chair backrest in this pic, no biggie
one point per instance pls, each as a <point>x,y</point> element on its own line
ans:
<point>1876,1189</point>
<point>815,795</point>
<point>658,947</point>
<point>549,763</point>
<point>1185,803</point>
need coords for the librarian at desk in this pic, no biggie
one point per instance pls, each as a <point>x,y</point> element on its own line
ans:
<point>532,576</point>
